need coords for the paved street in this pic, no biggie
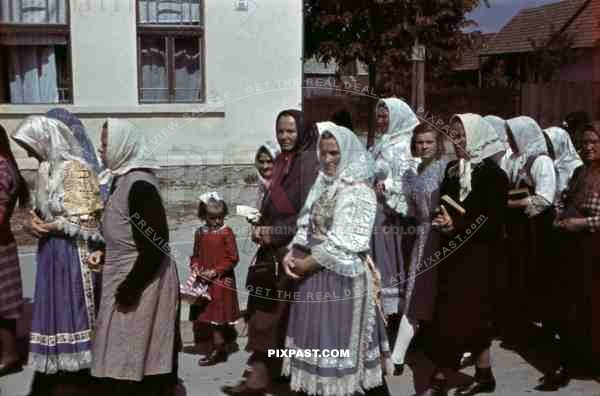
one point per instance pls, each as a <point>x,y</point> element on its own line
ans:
<point>516,374</point>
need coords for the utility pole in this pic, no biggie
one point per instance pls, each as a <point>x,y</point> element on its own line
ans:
<point>418,76</point>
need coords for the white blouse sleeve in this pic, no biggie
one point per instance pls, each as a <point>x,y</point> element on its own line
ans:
<point>402,172</point>
<point>544,179</point>
<point>350,234</point>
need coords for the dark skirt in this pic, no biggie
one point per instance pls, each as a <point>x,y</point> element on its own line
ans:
<point>580,293</point>
<point>532,266</point>
<point>11,287</point>
<point>463,310</point>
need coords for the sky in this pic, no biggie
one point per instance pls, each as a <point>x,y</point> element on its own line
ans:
<point>492,19</point>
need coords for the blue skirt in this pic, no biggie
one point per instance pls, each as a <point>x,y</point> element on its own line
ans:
<point>63,310</point>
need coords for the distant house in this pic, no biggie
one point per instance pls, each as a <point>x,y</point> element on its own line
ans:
<point>518,58</point>
<point>571,20</point>
<point>468,70</point>
<point>321,79</point>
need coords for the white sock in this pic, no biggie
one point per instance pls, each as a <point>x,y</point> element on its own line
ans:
<point>406,332</point>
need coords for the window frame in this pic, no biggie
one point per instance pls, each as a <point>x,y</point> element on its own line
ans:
<point>44,28</point>
<point>169,32</point>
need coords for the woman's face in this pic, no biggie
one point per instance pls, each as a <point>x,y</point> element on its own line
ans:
<point>459,138</point>
<point>329,155</point>
<point>590,147</point>
<point>426,145</point>
<point>382,120</point>
<point>287,132</point>
<point>103,144</point>
<point>264,165</point>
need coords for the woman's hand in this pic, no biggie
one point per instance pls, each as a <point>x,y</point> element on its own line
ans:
<point>380,187</point>
<point>571,224</point>
<point>38,227</point>
<point>443,221</point>
<point>265,236</point>
<point>289,265</point>
<point>95,258</point>
<point>304,265</point>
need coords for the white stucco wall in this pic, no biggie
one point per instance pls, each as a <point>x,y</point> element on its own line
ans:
<point>253,70</point>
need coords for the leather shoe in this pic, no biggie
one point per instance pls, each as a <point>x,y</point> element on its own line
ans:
<point>554,381</point>
<point>242,389</point>
<point>218,355</point>
<point>477,387</point>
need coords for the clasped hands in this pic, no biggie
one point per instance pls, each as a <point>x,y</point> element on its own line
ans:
<point>297,267</point>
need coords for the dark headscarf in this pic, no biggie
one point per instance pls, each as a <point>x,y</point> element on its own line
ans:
<point>293,175</point>
<point>89,151</point>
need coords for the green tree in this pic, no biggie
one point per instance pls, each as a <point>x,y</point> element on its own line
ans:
<point>381,33</point>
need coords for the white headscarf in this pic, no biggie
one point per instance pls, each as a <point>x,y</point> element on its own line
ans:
<point>127,150</point>
<point>271,147</point>
<point>567,159</point>
<point>499,126</point>
<point>356,164</point>
<point>482,143</point>
<point>54,143</point>
<point>402,122</point>
<point>324,125</point>
<point>528,136</point>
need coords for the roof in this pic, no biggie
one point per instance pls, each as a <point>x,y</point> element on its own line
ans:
<point>540,22</point>
<point>470,57</point>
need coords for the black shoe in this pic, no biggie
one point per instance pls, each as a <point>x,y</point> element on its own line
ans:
<point>437,387</point>
<point>554,381</point>
<point>242,389</point>
<point>477,387</point>
<point>218,355</point>
<point>398,369</point>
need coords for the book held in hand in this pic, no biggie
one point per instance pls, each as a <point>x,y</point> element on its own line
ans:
<point>518,193</point>
<point>453,204</point>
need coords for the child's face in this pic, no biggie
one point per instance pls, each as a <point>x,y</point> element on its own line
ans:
<point>214,218</point>
<point>264,164</point>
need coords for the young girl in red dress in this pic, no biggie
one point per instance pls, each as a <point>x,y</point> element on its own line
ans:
<point>214,258</point>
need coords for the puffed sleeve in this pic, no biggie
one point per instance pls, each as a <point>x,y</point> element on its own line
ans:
<point>401,171</point>
<point>230,255</point>
<point>350,233</point>
<point>544,177</point>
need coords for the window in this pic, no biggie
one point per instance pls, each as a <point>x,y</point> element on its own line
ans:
<point>34,52</point>
<point>170,51</point>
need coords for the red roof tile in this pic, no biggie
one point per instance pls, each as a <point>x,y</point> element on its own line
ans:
<point>540,22</point>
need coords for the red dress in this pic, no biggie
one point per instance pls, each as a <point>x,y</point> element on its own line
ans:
<point>217,251</point>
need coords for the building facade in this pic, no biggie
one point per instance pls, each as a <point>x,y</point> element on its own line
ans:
<point>203,79</point>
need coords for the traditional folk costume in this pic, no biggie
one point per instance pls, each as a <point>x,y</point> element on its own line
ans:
<point>336,224</point>
<point>566,158</point>
<point>396,168</point>
<point>469,250</point>
<point>578,293</point>
<point>529,230</point>
<point>68,196</point>
<point>293,175</point>
<point>137,328</point>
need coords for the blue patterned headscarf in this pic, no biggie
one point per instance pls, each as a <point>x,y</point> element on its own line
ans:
<point>89,151</point>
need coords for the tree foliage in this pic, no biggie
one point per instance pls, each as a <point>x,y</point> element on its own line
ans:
<point>382,33</point>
